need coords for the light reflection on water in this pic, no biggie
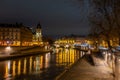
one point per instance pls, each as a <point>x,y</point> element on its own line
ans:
<point>40,67</point>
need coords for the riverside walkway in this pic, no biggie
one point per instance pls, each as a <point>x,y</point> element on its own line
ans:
<point>86,69</point>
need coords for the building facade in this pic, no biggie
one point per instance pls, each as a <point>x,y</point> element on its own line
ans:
<point>37,35</point>
<point>15,35</point>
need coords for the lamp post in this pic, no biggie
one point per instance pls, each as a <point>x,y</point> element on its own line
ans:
<point>8,43</point>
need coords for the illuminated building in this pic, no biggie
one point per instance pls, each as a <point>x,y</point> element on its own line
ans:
<point>70,41</point>
<point>114,41</point>
<point>65,41</point>
<point>15,35</point>
<point>37,36</point>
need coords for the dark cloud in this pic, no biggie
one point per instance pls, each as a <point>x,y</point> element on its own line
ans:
<point>56,16</point>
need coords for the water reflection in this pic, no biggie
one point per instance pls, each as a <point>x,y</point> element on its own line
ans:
<point>40,67</point>
<point>13,68</point>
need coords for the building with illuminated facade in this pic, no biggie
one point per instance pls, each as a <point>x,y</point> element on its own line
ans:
<point>114,41</point>
<point>65,41</point>
<point>15,35</point>
<point>37,35</point>
<point>70,41</point>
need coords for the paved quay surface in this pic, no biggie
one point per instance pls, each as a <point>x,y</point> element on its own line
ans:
<point>85,70</point>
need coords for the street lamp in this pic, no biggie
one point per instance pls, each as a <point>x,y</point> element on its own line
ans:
<point>8,49</point>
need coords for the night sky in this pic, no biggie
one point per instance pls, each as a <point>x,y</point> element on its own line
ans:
<point>57,17</point>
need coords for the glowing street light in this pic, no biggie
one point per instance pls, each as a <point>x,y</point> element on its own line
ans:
<point>8,48</point>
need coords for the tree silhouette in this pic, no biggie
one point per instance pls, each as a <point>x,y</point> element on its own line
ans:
<point>105,19</point>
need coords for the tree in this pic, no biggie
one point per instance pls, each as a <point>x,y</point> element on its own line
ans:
<point>116,12</point>
<point>104,19</point>
<point>48,39</point>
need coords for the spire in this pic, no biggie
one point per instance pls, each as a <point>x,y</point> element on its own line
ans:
<point>38,25</point>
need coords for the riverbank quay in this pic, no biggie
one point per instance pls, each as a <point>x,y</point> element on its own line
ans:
<point>21,53</point>
<point>87,69</point>
<point>5,50</point>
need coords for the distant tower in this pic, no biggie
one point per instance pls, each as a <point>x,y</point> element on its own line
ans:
<point>38,33</point>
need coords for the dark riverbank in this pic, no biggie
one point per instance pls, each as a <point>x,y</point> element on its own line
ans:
<point>22,53</point>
